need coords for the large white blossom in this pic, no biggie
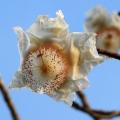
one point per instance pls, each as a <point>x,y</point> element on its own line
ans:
<point>53,60</point>
<point>107,26</point>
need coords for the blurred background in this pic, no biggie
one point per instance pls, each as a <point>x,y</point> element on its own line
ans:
<point>103,92</point>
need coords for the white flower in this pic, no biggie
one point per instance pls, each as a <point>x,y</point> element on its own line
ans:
<point>54,61</point>
<point>106,26</point>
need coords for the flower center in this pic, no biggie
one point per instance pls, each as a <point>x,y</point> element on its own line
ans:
<point>109,38</point>
<point>46,68</point>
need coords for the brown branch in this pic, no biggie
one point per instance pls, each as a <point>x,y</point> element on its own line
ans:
<point>83,99</point>
<point>86,110</point>
<point>8,101</point>
<point>95,114</point>
<point>109,54</point>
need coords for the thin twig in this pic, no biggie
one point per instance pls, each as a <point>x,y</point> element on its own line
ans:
<point>83,99</point>
<point>109,54</point>
<point>8,101</point>
<point>95,114</point>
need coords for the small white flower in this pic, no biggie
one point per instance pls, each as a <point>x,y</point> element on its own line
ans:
<point>54,61</point>
<point>106,26</point>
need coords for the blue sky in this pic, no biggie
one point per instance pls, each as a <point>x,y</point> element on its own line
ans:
<point>103,91</point>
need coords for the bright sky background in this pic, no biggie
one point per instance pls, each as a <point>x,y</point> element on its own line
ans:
<point>104,88</point>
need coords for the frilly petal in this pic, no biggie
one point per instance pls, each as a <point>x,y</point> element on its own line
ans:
<point>116,23</point>
<point>67,92</point>
<point>86,43</point>
<point>67,98</point>
<point>23,41</point>
<point>116,20</point>
<point>55,28</point>
<point>96,18</point>
<point>17,81</point>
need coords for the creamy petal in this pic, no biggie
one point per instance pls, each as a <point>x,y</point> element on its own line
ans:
<point>96,18</point>
<point>86,43</point>
<point>17,81</point>
<point>67,98</point>
<point>23,41</point>
<point>116,20</point>
<point>55,28</point>
<point>116,23</point>
<point>67,93</point>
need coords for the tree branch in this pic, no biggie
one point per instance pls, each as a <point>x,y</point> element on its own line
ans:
<point>109,54</point>
<point>8,101</point>
<point>95,114</point>
<point>83,99</point>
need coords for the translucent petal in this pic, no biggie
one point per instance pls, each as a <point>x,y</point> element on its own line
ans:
<point>23,41</point>
<point>17,81</point>
<point>96,18</point>
<point>55,28</point>
<point>67,98</point>
<point>116,23</point>
<point>86,43</point>
<point>116,20</point>
<point>67,92</point>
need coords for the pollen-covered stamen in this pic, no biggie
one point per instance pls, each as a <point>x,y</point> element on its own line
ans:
<point>46,68</point>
